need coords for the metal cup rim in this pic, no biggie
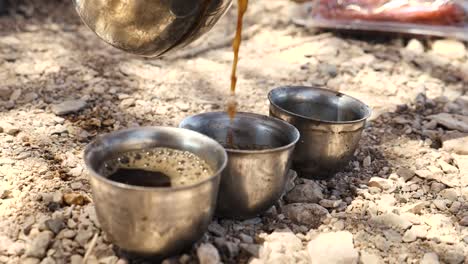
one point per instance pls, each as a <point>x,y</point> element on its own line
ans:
<point>297,134</point>
<point>101,178</point>
<point>367,107</point>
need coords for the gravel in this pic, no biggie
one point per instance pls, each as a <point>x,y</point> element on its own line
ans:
<point>402,199</point>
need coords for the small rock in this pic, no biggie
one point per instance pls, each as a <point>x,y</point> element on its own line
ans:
<point>29,97</point>
<point>415,46</point>
<point>39,245</point>
<point>430,258</point>
<point>9,128</point>
<point>75,199</point>
<point>251,249</point>
<point>228,248</point>
<point>126,103</point>
<point>369,258</point>
<point>447,168</point>
<point>55,225</point>
<point>83,236</point>
<point>208,254</point>
<point>48,260</point>
<point>451,121</point>
<point>108,260</point>
<point>437,187</point>
<point>367,162</point>
<point>440,204</point>
<point>184,107</point>
<point>464,221</point>
<point>330,203</point>
<point>451,49</point>
<point>449,194</point>
<point>245,238</point>
<point>30,261</point>
<point>4,192</point>
<point>68,107</point>
<point>414,208</point>
<point>217,229</point>
<point>455,207</point>
<point>57,197</point>
<point>306,214</point>
<point>333,248</point>
<point>5,93</point>
<point>309,192</point>
<point>76,185</point>
<point>76,259</point>
<point>392,236</point>
<point>414,233</point>
<point>68,233</point>
<point>424,174</point>
<point>405,173</point>
<point>455,142</point>
<point>381,183</point>
<point>391,220</point>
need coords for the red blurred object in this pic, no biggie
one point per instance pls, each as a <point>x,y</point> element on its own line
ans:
<point>407,11</point>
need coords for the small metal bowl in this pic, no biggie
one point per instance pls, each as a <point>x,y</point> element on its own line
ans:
<point>154,221</point>
<point>256,174</point>
<point>330,123</point>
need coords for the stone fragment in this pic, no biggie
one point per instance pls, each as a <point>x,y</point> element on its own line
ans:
<point>281,245</point>
<point>430,258</point>
<point>415,46</point>
<point>39,245</point>
<point>391,220</point>
<point>76,259</point>
<point>392,236</point>
<point>30,261</point>
<point>447,168</point>
<point>48,260</point>
<point>437,187</point>
<point>333,248</point>
<point>309,192</point>
<point>228,248</point>
<point>367,162</point>
<point>83,236</point>
<point>405,173</point>
<point>4,192</point>
<point>451,121</point>
<point>464,221</point>
<point>306,214</point>
<point>448,48</point>
<point>455,142</point>
<point>330,203</point>
<point>208,254</point>
<point>217,229</point>
<point>369,258</point>
<point>55,225</point>
<point>75,199</point>
<point>246,238</point>
<point>9,128</point>
<point>440,204</point>
<point>383,184</point>
<point>414,208</point>
<point>68,107</point>
<point>415,232</point>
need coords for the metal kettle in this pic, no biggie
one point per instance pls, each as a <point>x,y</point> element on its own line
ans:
<point>150,28</point>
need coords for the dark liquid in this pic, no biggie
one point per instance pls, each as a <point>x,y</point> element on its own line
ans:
<point>232,105</point>
<point>142,178</point>
<point>229,145</point>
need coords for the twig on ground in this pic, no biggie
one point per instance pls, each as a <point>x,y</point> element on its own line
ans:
<point>90,248</point>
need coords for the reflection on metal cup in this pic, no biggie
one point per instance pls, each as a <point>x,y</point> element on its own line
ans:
<point>330,124</point>
<point>259,159</point>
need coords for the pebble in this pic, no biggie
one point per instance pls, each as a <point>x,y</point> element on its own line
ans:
<point>367,162</point>
<point>414,233</point>
<point>437,187</point>
<point>208,254</point>
<point>392,236</point>
<point>464,221</point>
<point>48,260</point>
<point>55,225</point>
<point>251,249</point>
<point>330,203</point>
<point>76,259</point>
<point>451,49</point>
<point>230,249</point>
<point>75,199</point>
<point>39,245</point>
<point>309,192</point>
<point>306,214</point>
<point>245,238</point>
<point>333,248</point>
<point>381,183</point>
<point>30,261</point>
<point>414,208</point>
<point>9,128</point>
<point>83,236</point>
<point>281,244</point>
<point>449,194</point>
<point>451,121</point>
<point>455,142</point>
<point>430,258</point>
<point>68,107</point>
<point>4,192</point>
<point>184,107</point>
<point>447,168</point>
<point>369,258</point>
<point>391,220</point>
<point>415,46</point>
<point>217,229</point>
<point>405,173</point>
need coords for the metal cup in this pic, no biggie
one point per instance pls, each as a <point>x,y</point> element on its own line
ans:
<point>253,179</point>
<point>330,123</point>
<point>150,221</point>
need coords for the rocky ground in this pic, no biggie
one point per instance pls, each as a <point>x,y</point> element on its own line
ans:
<point>403,199</point>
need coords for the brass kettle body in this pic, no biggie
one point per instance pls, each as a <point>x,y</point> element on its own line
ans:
<point>150,28</point>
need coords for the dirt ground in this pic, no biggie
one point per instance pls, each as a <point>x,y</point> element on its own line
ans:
<point>403,199</point>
